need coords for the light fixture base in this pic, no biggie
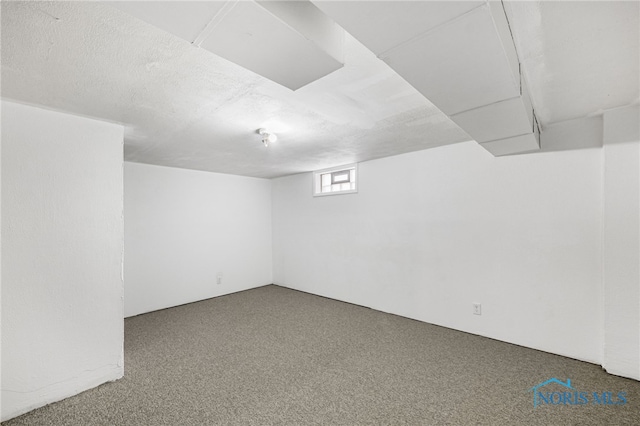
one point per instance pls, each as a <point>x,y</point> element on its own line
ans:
<point>267,137</point>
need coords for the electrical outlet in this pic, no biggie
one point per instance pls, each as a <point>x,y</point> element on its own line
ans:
<point>477,309</point>
<point>219,278</point>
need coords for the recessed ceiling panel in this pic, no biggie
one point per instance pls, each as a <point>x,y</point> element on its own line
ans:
<point>460,65</point>
<point>383,25</point>
<point>254,38</point>
<point>308,20</point>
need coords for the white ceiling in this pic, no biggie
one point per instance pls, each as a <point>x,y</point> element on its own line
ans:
<point>184,106</point>
<point>580,57</point>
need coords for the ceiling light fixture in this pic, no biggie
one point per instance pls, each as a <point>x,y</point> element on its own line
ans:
<point>267,137</point>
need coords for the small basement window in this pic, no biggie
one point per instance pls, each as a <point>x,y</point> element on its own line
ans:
<point>337,180</point>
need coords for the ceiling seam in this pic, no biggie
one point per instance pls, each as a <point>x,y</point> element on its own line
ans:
<point>214,22</point>
<point>384,54</point>
<point>483,106</point>
<point>513,40</point>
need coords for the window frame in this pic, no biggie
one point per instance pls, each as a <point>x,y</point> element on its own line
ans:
<point>333,171</point>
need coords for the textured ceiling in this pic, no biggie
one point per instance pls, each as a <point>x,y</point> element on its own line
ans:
<point>579,57</point>
<point>186,107</point>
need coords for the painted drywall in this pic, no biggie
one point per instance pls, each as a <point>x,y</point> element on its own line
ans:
<point>0,267</point>
<point>622,242</point>
<point>184,227</point>
<point>429,233</point>
<point>62,241</point>
<point>567,51</point>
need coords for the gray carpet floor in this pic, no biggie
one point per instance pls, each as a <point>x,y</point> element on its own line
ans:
<point>271,356</point>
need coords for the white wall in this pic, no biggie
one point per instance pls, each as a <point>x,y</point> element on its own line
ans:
<point>62,240</point>
<point>622,242</point>
<point>431,232</point>
<point>0,266</point>
<point>183,227</point>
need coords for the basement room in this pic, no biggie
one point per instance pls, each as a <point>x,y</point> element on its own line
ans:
<point>320,212</point>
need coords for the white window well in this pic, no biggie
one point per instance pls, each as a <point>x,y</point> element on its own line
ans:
<point>336,180</point>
